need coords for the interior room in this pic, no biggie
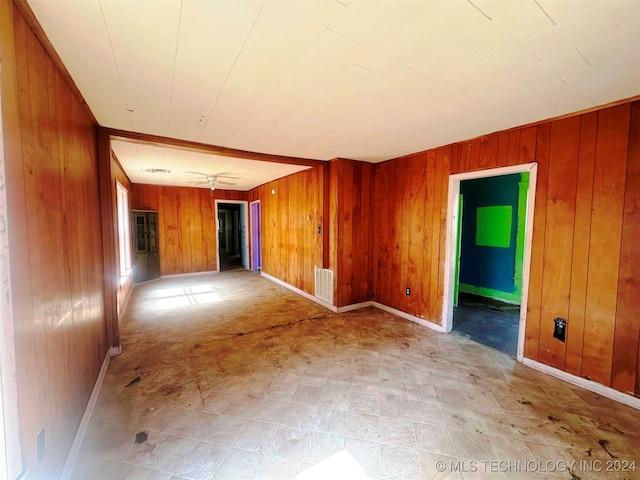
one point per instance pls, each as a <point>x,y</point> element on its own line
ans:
<point>250,239</point>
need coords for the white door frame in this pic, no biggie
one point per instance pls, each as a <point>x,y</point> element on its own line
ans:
<point>452,232</point>
<point>245,217</point>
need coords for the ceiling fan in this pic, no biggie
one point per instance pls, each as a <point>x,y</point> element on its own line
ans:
<point>212,180</point>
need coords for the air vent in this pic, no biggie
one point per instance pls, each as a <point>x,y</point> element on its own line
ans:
<point>324,284</point>
<point>156,170</point>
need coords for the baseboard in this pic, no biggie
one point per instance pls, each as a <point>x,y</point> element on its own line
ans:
<point>190,274</point>
<point>70,463</point>
<point>595,387</point>
<point>125,307</point>
<point>411,318</point>
<point>355,306</point>
<point>299,292</point>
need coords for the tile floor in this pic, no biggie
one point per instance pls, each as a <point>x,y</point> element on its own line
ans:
<point>241,378</point>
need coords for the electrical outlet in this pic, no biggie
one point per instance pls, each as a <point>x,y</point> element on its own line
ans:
<point>408,291</point>
<point>560,328</point>
<point>41,445</point>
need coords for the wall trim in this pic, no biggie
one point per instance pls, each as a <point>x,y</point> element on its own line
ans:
<point>595,387</point>
<point>125,307</point>
<point>355,306</point>
<point>306,295</point>
<point>408,316</point>
<point>188,274</point>
<point>72,457</point>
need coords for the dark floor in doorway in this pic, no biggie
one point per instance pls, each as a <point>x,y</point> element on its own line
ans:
<point>230,261</point>
<point>490,322</point>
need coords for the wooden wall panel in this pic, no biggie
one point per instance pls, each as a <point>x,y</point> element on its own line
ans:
<point>559,234</point>
<point>536,277</point>
<point>187,240</point>
<point>580,248</point>
<point>55,237</point>
<point>351,231</point>
<point>626,377</point>
<point>291,243</point>
<point>605,241</point>
<point>584,265</point>
<point>416,229</point>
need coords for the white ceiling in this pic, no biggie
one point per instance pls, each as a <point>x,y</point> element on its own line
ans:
<point>319,79</point>
<point>137,159</point>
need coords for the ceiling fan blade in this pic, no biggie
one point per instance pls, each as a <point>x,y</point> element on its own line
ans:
<point>223,182</point>
<point>224,175</point>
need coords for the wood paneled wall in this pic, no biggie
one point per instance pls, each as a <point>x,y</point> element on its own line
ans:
<point>188,239</point>
<point>409,216</point>
<point>585,257</point>
<point>54,226</point>
<point>291,243</point>
<point>351,252</point>
<point>118,174</point>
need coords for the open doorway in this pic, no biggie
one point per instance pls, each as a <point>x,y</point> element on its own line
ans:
<point>233,247</point>
<point>490,224</point>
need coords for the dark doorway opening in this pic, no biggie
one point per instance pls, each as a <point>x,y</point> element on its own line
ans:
<point>231,236</point>
<point>491,232</point>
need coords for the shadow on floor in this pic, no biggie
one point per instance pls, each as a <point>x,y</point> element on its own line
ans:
<point>487,321</point>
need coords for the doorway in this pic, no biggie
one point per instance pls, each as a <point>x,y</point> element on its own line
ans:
<point>233,247</point>
<point>256,237</point>
<point>489,234</point>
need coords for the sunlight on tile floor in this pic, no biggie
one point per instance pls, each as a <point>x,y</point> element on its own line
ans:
<point>262,383</point>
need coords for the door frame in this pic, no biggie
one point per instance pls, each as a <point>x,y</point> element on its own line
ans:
<point>452,238</point>
<point>252,230</point>
<point>245,219</point>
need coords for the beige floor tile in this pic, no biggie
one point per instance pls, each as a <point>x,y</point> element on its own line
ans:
<point>321,446</point>
<point>279,390</point>
<point>216,402</point>
<point>307,394</point>
<point>255,436</point>
<point>439,467</point>
<point>451,396</point>
<point>141,473</point>
<point>238,465</point>
<point>472,445</point>
<point>366,453</point>
<point>364,403</point>
<point>328,420</point>
<point>273,467</point>
<point>363,426</point>
<point>168,453</point>
<point>203,461</point>
<point>298,414</point>
<point>434,439</point>
<point>426,412</point>
<point>399,463</point>
<point>400,433</point>
<point>289,442</point>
